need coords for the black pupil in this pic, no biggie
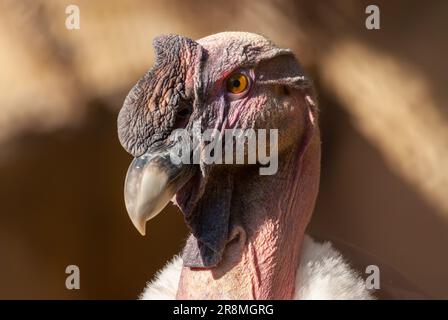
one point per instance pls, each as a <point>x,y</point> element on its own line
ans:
<point>236,83</point>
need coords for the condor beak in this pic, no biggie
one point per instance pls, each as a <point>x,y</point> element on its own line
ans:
<point>151,181</point>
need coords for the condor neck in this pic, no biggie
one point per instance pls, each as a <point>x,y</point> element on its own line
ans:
<point>273,213</point>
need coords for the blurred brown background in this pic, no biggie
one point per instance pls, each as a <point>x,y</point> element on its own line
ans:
<point>384,120</point>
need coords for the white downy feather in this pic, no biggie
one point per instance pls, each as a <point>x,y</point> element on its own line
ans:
<point>323,274</point>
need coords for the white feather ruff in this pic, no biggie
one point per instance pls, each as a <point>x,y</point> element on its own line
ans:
<point>323,274</point>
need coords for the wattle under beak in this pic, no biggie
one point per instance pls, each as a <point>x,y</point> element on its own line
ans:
<point>151,181</point>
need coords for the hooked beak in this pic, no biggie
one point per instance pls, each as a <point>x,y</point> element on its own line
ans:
<point>151,181</point>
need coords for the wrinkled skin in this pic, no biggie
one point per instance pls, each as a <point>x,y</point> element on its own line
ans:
<point>246,228</point>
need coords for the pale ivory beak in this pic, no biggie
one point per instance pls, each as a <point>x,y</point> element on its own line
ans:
<point>151,182</point>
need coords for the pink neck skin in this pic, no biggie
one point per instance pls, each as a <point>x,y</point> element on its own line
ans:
<point>261,262</point>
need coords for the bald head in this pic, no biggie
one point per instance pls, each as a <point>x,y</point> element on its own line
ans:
<point>231,80</point>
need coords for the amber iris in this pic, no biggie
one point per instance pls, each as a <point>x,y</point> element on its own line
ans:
<point>237,83</point>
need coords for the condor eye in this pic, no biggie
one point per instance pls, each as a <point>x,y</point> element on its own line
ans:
<point>237,84</point>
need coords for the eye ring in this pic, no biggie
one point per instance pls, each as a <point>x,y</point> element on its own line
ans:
<point>238,84</point>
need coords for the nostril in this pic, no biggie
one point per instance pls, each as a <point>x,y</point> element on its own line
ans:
<point>285,91</point>
<point>184,112</point>
<point>182,116</point>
